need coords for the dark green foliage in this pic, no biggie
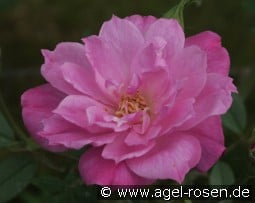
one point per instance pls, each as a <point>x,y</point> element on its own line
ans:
<point>17,172</point>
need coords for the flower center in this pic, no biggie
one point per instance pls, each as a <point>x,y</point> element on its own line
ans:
<point>130,104</point>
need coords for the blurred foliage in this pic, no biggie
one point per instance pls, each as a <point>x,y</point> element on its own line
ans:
<point>16,173</point>
<point>6,133</point>
<point>26,26</point>
<point>176,12</point>
<point>221,174</point>
<point>235,119</point>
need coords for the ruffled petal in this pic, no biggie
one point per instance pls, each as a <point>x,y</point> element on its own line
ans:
<point>83,80</point>
<point>175,115</point>
<point>215,99</point>
<point>124,36</point>
<point>105,61</point>
<point>211,138</point>
<point>58,131</point>
<point>83,112</point>
<point>171,158</point>
<point>72,52</point>
<point>94,169</point>
<point>135,138</point>
<point>188,69</point>
<point>64,52</point>
<point>124,176</point>
<point>112,52</point>
<point>142,22</point>
<point>119,150</point>
<point>151,57</point>
<point>217,56</point>
<point>157,92</point>
<point>37,105</point>
<point>168,29</point>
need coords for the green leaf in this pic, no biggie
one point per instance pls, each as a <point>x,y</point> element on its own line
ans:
<point>69,189</point>
<point>237,156</point>
<point>49,184</point>
<point>16,174</point>
<point>5,128</point>
<point>247,82</point>
<point>235,118</point>
<point>6,133</point>
<point>177,11</point>
<point>221,174</point>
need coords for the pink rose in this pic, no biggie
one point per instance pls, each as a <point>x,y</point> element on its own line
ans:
<point>147,101</point>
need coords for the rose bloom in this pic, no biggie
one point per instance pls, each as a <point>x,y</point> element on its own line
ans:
<point>145,99</point>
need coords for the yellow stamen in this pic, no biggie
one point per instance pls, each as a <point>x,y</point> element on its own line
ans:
<point>130,104</point>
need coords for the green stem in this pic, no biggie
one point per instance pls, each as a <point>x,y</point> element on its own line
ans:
<point>23,136</point>
<point>177,11</point>
<point>42,157</point>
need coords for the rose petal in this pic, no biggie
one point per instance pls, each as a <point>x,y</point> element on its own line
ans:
<point>105,61</point>
<point>176,115</point>
<point>190,75</point>
<point>124,37</point>
<point>119,151</point>
<point>170,30</point>
<point>37,105</point>
<point>217,56</point>
<point>71,52</point>
<point>157,92</point>
<point>83,80</point>
<point>58,131</point>
<point>64,52</point>
<point>124,176</point>
<point>77,110</point>
<point>111,53</point>
<point>134,138</point>
<point>211,138</point>
<point>151,57</point>
<point>96,170</point>
<point>142,22</point>
<point>215,99</point>
<point>171,158</point>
